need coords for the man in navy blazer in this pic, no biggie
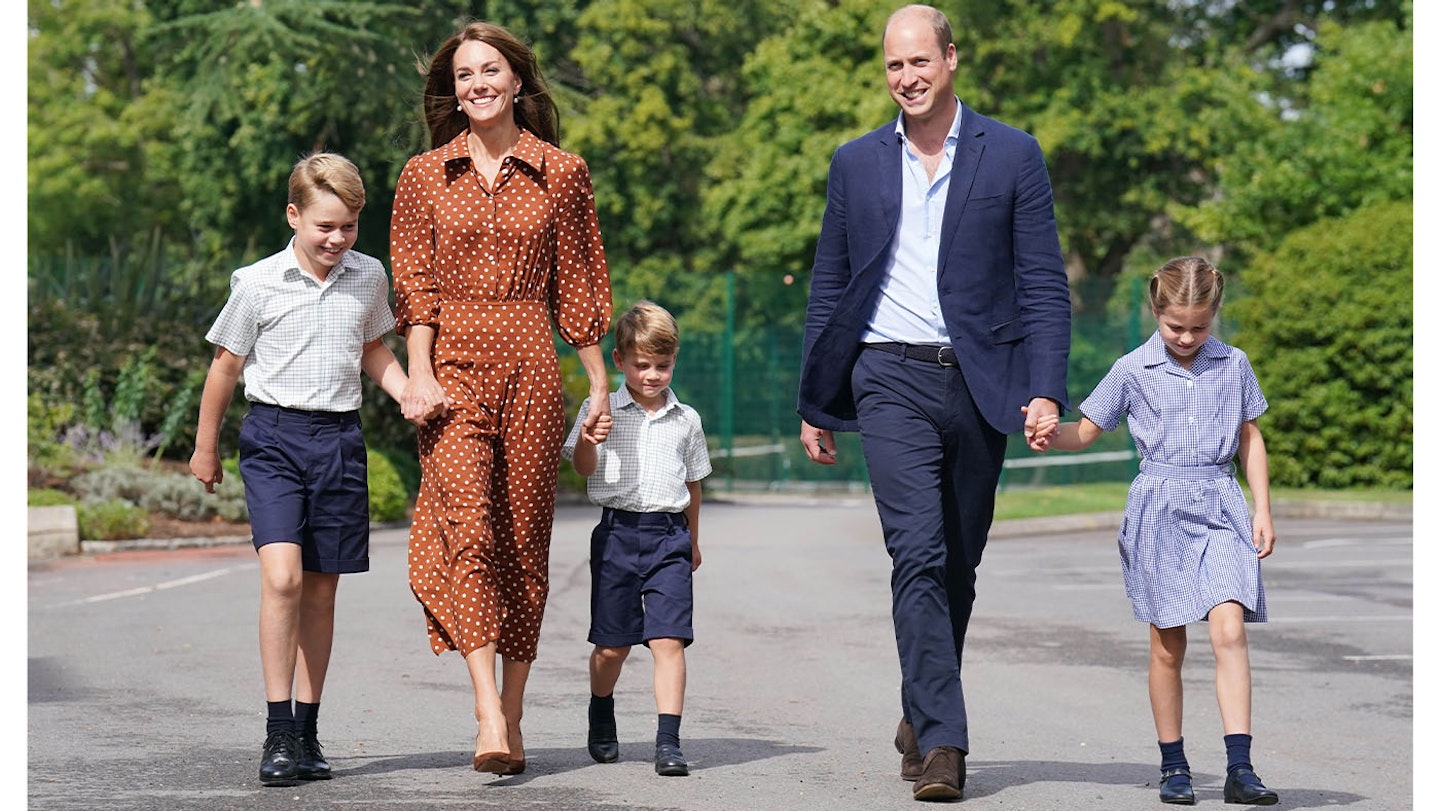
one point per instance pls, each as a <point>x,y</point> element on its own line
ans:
<point>938,323</point>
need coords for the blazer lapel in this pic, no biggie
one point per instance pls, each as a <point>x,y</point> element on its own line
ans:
<point>968,150</point>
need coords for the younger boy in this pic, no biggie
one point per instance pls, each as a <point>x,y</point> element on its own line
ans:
<point>650,458</point>
<point>301,325</point>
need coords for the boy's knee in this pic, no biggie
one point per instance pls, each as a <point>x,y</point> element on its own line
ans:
<point>611,655</point>
<point>667,646</point>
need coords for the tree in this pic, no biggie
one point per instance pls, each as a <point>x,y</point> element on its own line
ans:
<point>1344,142</point>
<point>1328,326</point>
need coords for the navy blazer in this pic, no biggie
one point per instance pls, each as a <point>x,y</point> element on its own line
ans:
<point>1003,290</point>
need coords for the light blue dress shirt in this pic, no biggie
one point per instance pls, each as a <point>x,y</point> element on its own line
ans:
<point>908,310</point>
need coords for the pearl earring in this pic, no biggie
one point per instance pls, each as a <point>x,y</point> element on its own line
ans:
<point>459,107</point>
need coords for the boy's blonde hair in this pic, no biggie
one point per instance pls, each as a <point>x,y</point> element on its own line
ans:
<point>647,327</point>
<point>326,172</point>
<point>1189,281</point>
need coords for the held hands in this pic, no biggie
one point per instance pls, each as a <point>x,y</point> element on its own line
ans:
<point>1042,420</point>
<point>598,421</point>
<point>423,400</point>
<point>601,429</point>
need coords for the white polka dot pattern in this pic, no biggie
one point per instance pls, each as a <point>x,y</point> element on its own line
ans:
<point>491,269</point>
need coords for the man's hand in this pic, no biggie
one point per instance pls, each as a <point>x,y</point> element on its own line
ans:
<point>819,443</point>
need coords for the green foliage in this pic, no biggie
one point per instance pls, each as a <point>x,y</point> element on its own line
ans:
<point>1329,328</point>
<point>388,497</point>
<point>46,453</point>
<point>1346,141</point>
<point>48,497</point>
<point>111,520</point>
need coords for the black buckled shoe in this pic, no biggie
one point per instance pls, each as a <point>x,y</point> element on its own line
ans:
<point>1243,786</point>
<point>1175,787</point>
<point>278,759</point>
<point>603,742</point>
<point>669,762</point>
<point>311,765</point>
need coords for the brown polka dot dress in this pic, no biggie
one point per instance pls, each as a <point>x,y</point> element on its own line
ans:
<point>491,269</point>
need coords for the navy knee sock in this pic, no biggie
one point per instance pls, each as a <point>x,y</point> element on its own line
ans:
<point>602,713</point>
<point>668,730</point>
<point>278,715</point>
<point>1237,751</point>
<point>1172,756</point>
<point>306,717</point>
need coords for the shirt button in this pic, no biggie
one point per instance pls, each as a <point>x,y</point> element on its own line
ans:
<point>1189,384</point>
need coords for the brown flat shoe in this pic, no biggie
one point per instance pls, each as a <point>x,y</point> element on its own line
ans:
<point>514,767</point>
<point>909,749</point>
<point>943,774</point>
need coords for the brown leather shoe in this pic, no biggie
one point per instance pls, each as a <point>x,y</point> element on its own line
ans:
<point>909,749</point>
<point>942,775</point>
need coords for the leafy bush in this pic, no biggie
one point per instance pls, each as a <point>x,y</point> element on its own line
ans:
<point>388,496</point>
<point>1329,328</point>
<point>47,454</point>
<point>48,497</point>
<point>112,519</point>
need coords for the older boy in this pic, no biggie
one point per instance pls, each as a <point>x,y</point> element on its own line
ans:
<point>650,455</point>
<point>301,325</point>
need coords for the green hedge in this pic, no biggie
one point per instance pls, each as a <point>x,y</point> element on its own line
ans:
<point>1329,327</point>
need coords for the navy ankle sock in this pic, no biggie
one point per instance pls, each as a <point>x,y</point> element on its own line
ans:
<point>306,717</point>
<point>602,712</point>
<point>1237,751</point>
<point>668,730</point>
<point>278,715</point>
<point>1172,755</point>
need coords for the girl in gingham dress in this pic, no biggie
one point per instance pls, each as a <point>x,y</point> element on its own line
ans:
<point>1188,547</point>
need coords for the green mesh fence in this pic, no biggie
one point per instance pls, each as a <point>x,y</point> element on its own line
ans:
<point>745,387</point>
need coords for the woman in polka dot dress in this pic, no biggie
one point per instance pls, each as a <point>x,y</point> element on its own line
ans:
<point>494,237</point>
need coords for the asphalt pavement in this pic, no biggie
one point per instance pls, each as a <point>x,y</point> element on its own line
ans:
<point>144,687</point>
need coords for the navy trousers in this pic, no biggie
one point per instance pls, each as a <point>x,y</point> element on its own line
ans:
<point>934,464</point>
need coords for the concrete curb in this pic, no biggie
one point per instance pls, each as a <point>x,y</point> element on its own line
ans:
<point>1013,528</point>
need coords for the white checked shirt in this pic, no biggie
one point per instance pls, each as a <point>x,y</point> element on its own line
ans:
<point>647,459</point>
<point>302,338</point>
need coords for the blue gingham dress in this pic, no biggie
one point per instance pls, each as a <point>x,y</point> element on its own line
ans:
<point>1185,542</point>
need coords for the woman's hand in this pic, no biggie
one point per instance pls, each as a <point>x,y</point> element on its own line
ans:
<point>423,399</point>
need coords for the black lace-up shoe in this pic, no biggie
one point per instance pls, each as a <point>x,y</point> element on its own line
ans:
<point>311,765</point>
<point>278,758</point>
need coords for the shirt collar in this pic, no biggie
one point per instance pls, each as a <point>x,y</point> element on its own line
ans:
<point>1153,352</point>
<point>291,261</point>
<point>954,135</point>
<point>530,150</point>
<point>623,399</point>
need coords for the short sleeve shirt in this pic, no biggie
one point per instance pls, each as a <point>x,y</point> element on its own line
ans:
<point>1177,416</point>
<point>302,339</point>
<point>647,459</point>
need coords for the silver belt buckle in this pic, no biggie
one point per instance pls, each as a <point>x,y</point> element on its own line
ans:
<point>940,356</point>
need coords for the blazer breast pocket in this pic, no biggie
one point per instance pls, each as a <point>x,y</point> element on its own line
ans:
<point>985,201</point>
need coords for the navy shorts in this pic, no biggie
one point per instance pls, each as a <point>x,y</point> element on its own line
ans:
<point>306,483</point>
<point>640,579</point>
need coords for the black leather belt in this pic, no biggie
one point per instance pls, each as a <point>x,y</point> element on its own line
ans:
<point>943,355</point>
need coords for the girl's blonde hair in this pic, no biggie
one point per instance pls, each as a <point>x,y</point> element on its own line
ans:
<point>1188,281</point>
<point>647,327</point>
<point>328,172</point>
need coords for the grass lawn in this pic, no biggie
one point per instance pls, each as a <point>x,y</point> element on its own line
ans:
<point>1110,497</point>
